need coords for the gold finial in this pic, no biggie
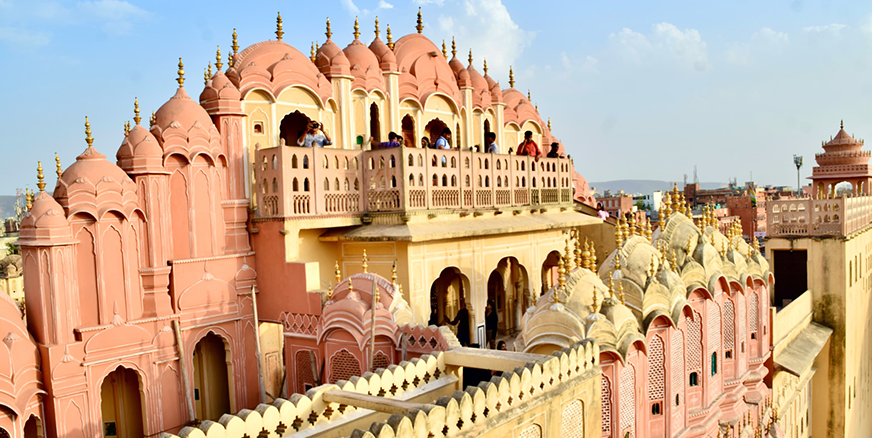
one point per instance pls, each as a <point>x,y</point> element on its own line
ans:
<point>136,117</point>
<point>592,259</point>
<point>152,120</point>
<point>390,39</point>
<point>356,29</point>
<point>621,292</point>
<point>444,50</point>
<point>660,215</point>
<point>529,96</point>
<point>279,31</point>
<point>453,47</point>
<point>328,33</point>
<point>317,46</point>
<point>626,230</point>
<point>673,261</point>
<point>580,256</point>
<point>88,138</point>
<point>350,286</point>
<point>652,268</point>
<point>181,72</point>
<point>39,177</point>
<point>126,128</point>
<point>28,196</point>
<point>218,63</point>
<point>567,256</point>
<point>470,57</point>
<point>649,231</point>
<point>842,124</point>
<point>207,74</point>
<point>561,279</point>
<point>632,224</point>
<point>58,163</point>
<point>312,55</point>
<point>235,47</point>
<point>394,274</point>
<point>549,123</point>
<point>420,25</point>
<point>611,286</point>
<point>376,26</point>
<point>338,273</point>
<point>511,77</point>
<point>330,291</point>
<point>619,235</point>
<point>485,67</point>
<point>365,259</point>
<point>689,246</point>
<point>595,305</point>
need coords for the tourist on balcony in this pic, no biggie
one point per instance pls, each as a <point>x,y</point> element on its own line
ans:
<point>393,142</point>
<point>461,320</point>
<point>529,147</point>
<point>490,141</point>
<point>600,213</point>
<point>554,153</point>
<point>444,141</point>
<point>425,142</point>
<point>491,321</point>
<point>502,346</point>
<point>314,136</point>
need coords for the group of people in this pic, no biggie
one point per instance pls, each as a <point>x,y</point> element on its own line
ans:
<point>461,321</point>
<point>315,136</point>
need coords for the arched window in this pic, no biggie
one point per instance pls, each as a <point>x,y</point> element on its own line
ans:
<point>393,161</point>
<point>479,180</point>
<point>382,182</point>
<point>420,160</point>
<point>326,184</point>
<point>523,165</point>
<point>354,161</point>
<point>435,180</point>
<point>466,162</point>
<point>336,184</point>
<point>264,165</point>
<point>326,163</point>
<point>487,181</point>
<point>505,181</point>
<point>479,163</point>
<point>421,179</point>
<point>336,162</point>
<point>499,165</point>
<point>275,162</point>
<point>346,163</point>
<point>533,166</point>
<point>371,163</point>
<point>356,184</point>
<point>467,181</point>
<point>411,179</point>
<point>346,184</point>
<point>444,180</point>
<point>394,181</point>
<point>453,180</point>
<point>293,162</point>
<point>411,160</point>
<point>523,181</point>
<point>694,379</point>
<point>305,161</point>
<point>295,185</point>
<point>533,181</point>
<point>306,185</point>
<point>486,163</point>
<point>381,163</point>
<point>433,161</point>
<point>265,187</point>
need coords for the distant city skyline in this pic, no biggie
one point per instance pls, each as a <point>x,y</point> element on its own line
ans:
<point>634,90</point>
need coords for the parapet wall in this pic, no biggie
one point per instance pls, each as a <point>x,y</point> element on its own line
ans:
<point>836,217</point>
<point>567,382</point>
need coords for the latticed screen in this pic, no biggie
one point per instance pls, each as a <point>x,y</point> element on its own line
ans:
<point>343,365</point>
<point>656,369</point>
<point>628,400</point>
<point>572,421</point>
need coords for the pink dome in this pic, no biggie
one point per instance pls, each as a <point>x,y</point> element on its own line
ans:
<point>419,56</point>
<point>460,73</point>
<point>331,61</point>
<point>481,91</point>
<point>93,167</point>
<point>494,88</point>
<point>219,88</point>
<point>518,103</point>
<point>364,67</point>
<point>140,152</point>
<point>274,65</point>
<point>182,109</point>
<point>384,54</point>
<point>45,223</point>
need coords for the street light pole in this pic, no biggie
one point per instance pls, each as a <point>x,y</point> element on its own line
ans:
<point>797,160</point>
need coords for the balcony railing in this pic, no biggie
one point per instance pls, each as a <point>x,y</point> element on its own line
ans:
<point>295,181</point>
<point>819,217</point>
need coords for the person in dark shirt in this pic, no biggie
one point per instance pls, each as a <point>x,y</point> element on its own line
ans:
<point>554,154</point>
<point>461,320</point>
<point>434,316</point>
<point>491,322</point>
<point>393,142</point>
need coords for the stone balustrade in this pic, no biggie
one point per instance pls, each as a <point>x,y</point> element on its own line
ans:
<point>819,217</point>
<point>426,391</point>
<point>300,182</point>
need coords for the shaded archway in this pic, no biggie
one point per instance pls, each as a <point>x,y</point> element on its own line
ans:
<point>508,287</point>
<point>211,384</point>
<point>292,127</point>
<point>446,294</point>
<point>408,126</point>
<point>844,188</point>
<point>121,404</point>
<point>434,129</point>
<point>549,270</point>
<point>33,427</point>
<point>374,124</point>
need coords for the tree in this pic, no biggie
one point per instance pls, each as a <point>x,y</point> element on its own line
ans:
<point>641,205</point>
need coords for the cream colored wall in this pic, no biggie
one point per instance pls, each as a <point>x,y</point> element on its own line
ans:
<point>271,346</point>
<point>843,303</point>
<point>791,393</point>
<point>14,287</point>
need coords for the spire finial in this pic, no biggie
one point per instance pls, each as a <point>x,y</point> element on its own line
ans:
<point>29,198</point>
<point>40,177</point>
<point>842,124</point>
<point>207,74</point>
<point>390,38</point>
<point>181,72</point>
<point>58,163</point>
<point>592,259</point>
<point>337,272</point>
<point>136,117</point>
<point>529,96</point>
<point>328,33</point>
<point>376,26</point>
<point>218,63</point>
<point>511,78</point>
<point>453,47</point>
<point>279,31</point>
<point>88,138</point>
<point>470,57</point>
<point>549,123</point>
<point>356,29</point>
<point>365,264</point>
<point>594,304</point>
<point>611,287</point>
<point>444,50</point>
<point>485,66</point>
<point>126,128</point>
<point>394,274</point>
<point>567,257</point>
<point>312,53</point>
<point>235,48</point>
<point>673,261</point>
<point>152,120</point>
<point>584,255</point>
<point>561,279</point>
<point>420,25</point>
<point>621,293</point>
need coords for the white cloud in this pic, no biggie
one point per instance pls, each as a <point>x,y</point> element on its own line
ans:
<point>772,37</point>
<point>23,38</point>
<point>834,29</point>
<point>486,27</point>
<point>665,39</point>
<point>350,7</point>
<point>739,54</point>
<point>118,16</point>
<point>382,4</point>
<point>429,2</point>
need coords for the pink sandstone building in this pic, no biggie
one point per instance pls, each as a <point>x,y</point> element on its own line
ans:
<point>218,280</point>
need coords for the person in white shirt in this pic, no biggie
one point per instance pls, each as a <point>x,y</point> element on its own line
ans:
<point>490,143</point>
<point>313,136</point>
<point>444,141</point>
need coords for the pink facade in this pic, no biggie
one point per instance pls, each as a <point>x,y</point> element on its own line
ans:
<point>843,161</point>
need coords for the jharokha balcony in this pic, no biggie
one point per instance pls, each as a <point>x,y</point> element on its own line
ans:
<point>838,217</point>
<point>301,182</point>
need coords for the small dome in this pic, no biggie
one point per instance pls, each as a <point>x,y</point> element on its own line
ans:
<point>384,54</point>
<point>45,223</point>
<point>364,66</point>
<point>220,87</point>
<point>481,91</point>
<point>92,166</point>
<point>331,61</point>
<point>182,109</point>
<point>494,87</point>
<point>139,152</point>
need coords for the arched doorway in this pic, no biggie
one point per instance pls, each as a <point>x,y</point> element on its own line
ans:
<point>446,295</point>
<point>434,129</point>
<point>844,188</point>
<point>549,270</point>
<point>508,287</point>
<point>211,386</point>
<point>292,127</point>
<point>408,126</point>
<point>121,404</point>
<point>33,427</point>
<point>374,125</point>
<point>4,433</point>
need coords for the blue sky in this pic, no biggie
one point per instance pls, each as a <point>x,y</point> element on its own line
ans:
<point>635,89</point>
